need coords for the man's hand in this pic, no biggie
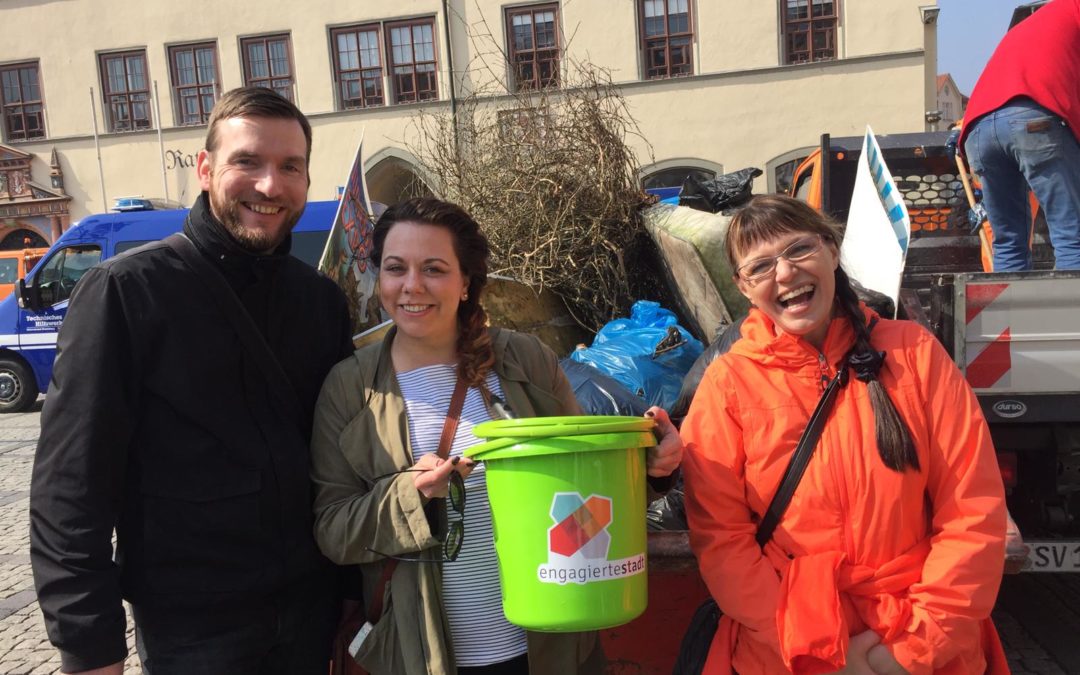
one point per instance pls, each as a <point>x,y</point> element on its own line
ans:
<point>666,455</point>
<point>113,669</point>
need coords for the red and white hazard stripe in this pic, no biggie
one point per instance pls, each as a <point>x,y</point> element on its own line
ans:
<point>987,367</point>
<point>1021,335</point>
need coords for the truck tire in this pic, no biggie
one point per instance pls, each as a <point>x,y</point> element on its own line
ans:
<point>18,388</point>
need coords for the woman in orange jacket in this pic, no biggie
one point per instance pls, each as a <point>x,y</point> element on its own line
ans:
<point>889,556</point>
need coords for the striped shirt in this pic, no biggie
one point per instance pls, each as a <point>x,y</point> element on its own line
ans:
<point>472,596</point>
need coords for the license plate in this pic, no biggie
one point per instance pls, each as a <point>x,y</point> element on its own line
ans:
<point>1053,556</point>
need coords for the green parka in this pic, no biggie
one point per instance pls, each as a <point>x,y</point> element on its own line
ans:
<point>360,433</point>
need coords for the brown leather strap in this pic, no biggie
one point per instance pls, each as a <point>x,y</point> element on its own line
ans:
<point>457,402</point>
<point>380,590</point>
<point>453,414</point>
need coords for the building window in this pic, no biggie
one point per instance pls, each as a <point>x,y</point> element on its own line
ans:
<point>127,91</point>
<point>412,61</point>
<point>534,46</point>
<point>528,126</point>
<point>675,177</point>
<point>268,63</point>
<point>667,34</point>
<point>358,71</point>
<point>24,111</point>
<point>810,30</point>
<point>195,81</point>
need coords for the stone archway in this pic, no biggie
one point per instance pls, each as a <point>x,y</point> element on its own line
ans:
<point>393,175</point>
<point>16,239</point>
<point>670,173</point>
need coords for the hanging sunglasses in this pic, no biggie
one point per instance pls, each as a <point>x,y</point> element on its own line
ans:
<point>455,533</point>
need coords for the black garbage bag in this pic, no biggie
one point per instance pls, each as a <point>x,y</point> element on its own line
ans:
<point>723,192</point>
<point>720,344</point>
<point>600,394</point>
<point>668,511</point>
<point>879,302</point>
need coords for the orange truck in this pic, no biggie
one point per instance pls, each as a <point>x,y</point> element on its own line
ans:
<point>14,265</point>
<point>943,240</point>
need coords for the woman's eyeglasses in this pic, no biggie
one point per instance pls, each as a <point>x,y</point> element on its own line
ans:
<point>455,533</point>
<point>759,268</point>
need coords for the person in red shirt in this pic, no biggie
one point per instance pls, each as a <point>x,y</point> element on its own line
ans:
<point>1024,130</point>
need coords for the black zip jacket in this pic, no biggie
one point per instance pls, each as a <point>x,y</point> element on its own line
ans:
<point>159,424</point>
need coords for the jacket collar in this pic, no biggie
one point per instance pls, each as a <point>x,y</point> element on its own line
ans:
<point>385,401</point>
<point>506,369</point>
<point>761,344</point>
<point>240,266</point>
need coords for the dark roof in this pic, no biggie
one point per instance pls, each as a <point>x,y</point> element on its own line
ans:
<point>927,139</point>
<point>1024,11</point>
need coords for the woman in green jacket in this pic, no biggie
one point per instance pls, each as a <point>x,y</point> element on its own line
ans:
<point>379,482</point>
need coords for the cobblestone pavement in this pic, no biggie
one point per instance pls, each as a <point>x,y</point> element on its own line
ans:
<point>1029,605</point>
<point>24,648</point>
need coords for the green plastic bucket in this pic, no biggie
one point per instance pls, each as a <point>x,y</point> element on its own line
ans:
<point>568,503</point>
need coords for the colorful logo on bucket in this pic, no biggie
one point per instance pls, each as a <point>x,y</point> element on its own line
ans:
<point>579,540</point>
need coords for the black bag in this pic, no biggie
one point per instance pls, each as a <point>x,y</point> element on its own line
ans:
<point>667,511</point>
<point>702,629</point>
<point>723,192</point>
<point>695,645</point>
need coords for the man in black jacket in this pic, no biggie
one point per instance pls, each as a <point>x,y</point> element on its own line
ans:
<point>162,424</point>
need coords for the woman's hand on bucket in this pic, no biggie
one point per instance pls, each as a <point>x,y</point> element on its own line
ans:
<point>433,473</point>
<point>666,455</point>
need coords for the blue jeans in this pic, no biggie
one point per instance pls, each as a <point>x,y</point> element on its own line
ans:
<point>1023,144</point>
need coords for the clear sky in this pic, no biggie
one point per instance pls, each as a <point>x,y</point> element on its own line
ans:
<point>968,32</point>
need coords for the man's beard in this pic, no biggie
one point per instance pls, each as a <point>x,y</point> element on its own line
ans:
<point>255,241</point>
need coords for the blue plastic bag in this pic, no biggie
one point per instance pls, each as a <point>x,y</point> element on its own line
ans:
<point>648,353</point>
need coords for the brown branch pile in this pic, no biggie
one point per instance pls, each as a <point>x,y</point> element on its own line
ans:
<point>549,176</point>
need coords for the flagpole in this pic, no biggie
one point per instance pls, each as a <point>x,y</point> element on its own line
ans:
<point>97,148</point>
<point>161,143</point>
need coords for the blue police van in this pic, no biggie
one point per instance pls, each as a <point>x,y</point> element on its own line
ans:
<point>30,318</point>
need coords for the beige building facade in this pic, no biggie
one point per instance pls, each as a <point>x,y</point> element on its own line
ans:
<point>715,85</point>
<point>950,101</point>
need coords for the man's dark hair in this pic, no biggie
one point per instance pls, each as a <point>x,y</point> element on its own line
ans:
<point>255,102</point>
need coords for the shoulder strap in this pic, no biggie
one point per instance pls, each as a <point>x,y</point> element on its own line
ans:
<point>453,414</point>
<point>242,323</point>
<point>800,458</point>
<point>457,402</point>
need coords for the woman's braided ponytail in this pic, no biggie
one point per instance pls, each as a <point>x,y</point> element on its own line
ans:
<point>894,442</point>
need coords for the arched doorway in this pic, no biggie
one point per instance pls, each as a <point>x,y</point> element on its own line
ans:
<point>18,239</point>
<point>392,176</point>
<point>666,178</point>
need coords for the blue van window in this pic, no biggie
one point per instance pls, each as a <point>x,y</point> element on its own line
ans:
<point>64,269</point>
<point>122,246</point>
